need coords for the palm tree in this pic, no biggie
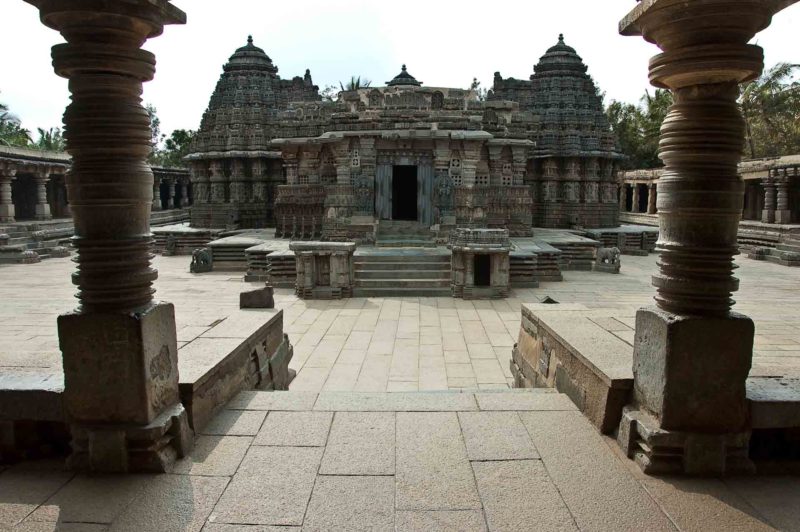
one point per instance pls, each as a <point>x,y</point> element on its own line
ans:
<point>11,133</point>
<point>771,109</point>
<point>51,139</point>
<point>355,83</point>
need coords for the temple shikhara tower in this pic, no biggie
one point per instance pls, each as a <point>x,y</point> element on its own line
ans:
<point>405,157</point>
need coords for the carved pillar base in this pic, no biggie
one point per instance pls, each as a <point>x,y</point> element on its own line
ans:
<point>122,401</point>
<point>660,452</point>
<point>783,216</point>
<point>689,406</point>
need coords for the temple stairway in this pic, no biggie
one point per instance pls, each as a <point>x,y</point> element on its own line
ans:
<point>412,272</point>
<point>401,233</point>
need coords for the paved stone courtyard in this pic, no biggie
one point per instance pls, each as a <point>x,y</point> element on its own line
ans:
<point>279,461</point>
<point>392,344</point>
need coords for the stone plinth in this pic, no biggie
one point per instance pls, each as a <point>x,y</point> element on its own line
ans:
<point>324,269</point>
<point>480,263</point>
<point>119,396</point>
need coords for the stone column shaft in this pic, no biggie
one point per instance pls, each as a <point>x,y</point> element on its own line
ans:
<point>783,215</point>
<point>156,194</point>
<point>770,200</point>
<point>171,199</point>
<point>635,202</point>
<point>651,199</point>
<point>119,349</point>
<point>7,175</point>
<point>42,206</point>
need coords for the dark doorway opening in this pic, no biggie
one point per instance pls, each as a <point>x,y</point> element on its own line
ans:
<point>629,198</point>
<point>24,196</point>
<point>404,193</point>
<point>644,196</point>
<point>483,270</point>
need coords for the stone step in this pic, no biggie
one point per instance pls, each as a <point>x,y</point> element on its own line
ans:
<point>402,258</point>
<point>401,292</point>
<point>403,283</point>
<point>397,243</point>
<point>402,266</point>
<point>403,274</point>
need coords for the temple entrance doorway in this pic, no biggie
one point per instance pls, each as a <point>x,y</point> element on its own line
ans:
<point>483,270</point>
<point>404,192</point>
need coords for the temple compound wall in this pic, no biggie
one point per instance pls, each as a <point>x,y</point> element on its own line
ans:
<point>535,152</point>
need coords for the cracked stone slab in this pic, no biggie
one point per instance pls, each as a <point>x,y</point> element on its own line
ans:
<point>351,503</point>
<point>272,487</point>
<point>295,429</point>
<point>433,471</point>
<point>517,494</point>
<point>496,436</point>
<point>360,443</point>
<point>396,402</point>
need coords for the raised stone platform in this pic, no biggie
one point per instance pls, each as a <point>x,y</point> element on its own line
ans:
<point>629,239</point>
<point>180,239</point>
<point>588,355</point>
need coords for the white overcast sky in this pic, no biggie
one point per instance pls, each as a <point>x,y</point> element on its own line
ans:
<point>444,42</point>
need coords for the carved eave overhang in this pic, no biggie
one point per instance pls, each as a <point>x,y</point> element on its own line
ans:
<point>233,154</point>
<point>28,157</point>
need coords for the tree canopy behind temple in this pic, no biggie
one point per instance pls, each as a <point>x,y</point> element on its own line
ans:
<point>770,106</point>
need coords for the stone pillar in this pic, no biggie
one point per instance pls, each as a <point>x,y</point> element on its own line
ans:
<point>783,214</point>
<point>770,199</point>
<point>623,196</point>
<point>635,202</point>
<point>7,175</point>
<point>184,188</point>
<point>469,269</point>
<point>171,183</point>
<point>42,211</point>
<point>119,347</point>
<point>651,199</point>
<point>692,355</point>
<point>156,194</point>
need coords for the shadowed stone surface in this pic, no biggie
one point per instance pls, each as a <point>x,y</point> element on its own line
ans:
<point>214,456</point>
<point>235,423</point>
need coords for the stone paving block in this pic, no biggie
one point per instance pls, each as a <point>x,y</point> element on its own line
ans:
<point>456,357</point>
<point>433,471</point>
<point>342,377</point>
<point>222,527</point>
<point>488,371</point>
<point>496,436</point>
<point>235,423</point>
<point>374,374</point>
<point>214,456</point>
<point>22,491</point>
<point>273,401</point>
<point>310,379</point>
<point>396,402</point>
<point>351,503</point>
<point>463,371</point>
<point>272,487</point>
<point>599,491</point>
<point>295,429</point>
<point>440,521</point>
<point>92,499</point>
<point>360,443</point>
<point>704,504</point>
<point>42,526</point>
<point>480,351</point>
<point>524,401</point>
<point>352,356</point>
<point>518,495</point>
<point>172,502</point>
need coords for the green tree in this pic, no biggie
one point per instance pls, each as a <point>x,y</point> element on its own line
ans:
<point>771,109</point>
<point>638,128</point>
<point>51,140</point>
<point>355,83</point>
<point>176,147</point>
<point>11,131</point>
<point>476,86</point>
<point>330,93</point>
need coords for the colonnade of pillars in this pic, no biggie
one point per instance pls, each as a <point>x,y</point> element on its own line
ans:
<point>638,198</point>
<point>176,193</point>
<point>39,207</point>
<point>777,192</point>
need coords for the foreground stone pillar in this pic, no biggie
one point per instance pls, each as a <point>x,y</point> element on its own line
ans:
<point>42,211</point>
<point>7,175</point>
<point>783,214</point>
<point>692,354</point>
<point>119,346</point>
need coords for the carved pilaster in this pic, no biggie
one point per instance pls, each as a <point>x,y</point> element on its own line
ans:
<point>218,182</point>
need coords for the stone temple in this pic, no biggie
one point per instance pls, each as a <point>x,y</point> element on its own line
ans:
<point>406,157</point>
